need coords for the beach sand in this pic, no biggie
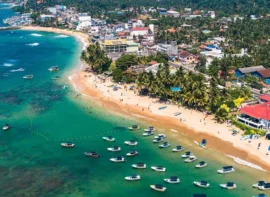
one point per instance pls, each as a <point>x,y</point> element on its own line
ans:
<point>193,124</point>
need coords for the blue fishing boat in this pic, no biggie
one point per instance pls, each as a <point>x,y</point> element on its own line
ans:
<point>260,195</point>
<point>203,142</point>
<point>161,108</point>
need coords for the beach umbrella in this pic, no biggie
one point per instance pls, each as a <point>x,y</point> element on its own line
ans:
<point>250,137</point>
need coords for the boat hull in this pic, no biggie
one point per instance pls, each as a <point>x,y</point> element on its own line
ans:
<point>202,186</point>
<point>158,189</point>
<point>172,182</point>
<point>224,186</point>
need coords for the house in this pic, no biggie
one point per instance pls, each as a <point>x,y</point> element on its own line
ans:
<point>162,11</point>
<point>153,67</point>
<point>170,49</point>
<point>264,75</point>
<point>44,17</point>
<point>264,98</point>
<point>173,13</point>
<point>256,116</point>
<point>132,47</point>
<point>139,31</point>
<point>52,10</point>
<point>241,72</point>
<point>187,57</point>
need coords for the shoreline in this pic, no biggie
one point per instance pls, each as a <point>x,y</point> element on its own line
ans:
<point>144,109</point>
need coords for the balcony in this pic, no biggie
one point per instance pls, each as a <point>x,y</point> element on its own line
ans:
<point>250,123</point>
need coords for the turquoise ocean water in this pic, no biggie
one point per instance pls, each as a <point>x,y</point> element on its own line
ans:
<point>5,12</point>
<point>44,113</point>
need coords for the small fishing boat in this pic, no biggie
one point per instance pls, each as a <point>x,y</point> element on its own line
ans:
<point>139,165</point>
<point>114,149</point>
<point>203,142</point>
<point>266,186</point>
<point>28,76</point>
<point>68,145</point>
<point>148,133</point>
<point>228,185</point>
<point>172,179</point>
<point>187,154</point>
<point>257,185</point>
<point>192,158</point>
<point>150,129</point>
<point>54,68</point>
<point>132,153</point>
<point>260,195</point>
<point>118,159</point>
<point>163,107</point>
<point>134,127</point>
<point>178,148</point>
<point>92,154</point>
<point>160,136</point>
<point>245,137</point>
<point>131,143</point>
<point>6,127</point>
<point>133,177</point>
<point>157,140</point>
<point>158,168</point>
<point>108,138</point>
<point>158,187</point>
<point>226,169</point>
<point>202,184</point>
<point>165,145</point>
<point>177,114</point>
<point>201,164</point>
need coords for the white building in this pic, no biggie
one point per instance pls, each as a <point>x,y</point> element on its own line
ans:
<point>84,22</point>
<point>212,14</point>
<point>52,10</point>
<point>84,18</point>
<point>173,13</point>
<point>139,31</point>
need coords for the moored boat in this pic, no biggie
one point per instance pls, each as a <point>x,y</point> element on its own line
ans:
<point>192,158</point>
<point>132,153</point>
<point>134,127</point>
<point>257,185</point>
<point>118,159</point>
<point>201,164</point>
<point>187,154</point>
<point>160,136</point>
<point>28,76</point>
<point>157,140</point>
<point>172,179</point>
<point>203,142</point>
<point>165,145</point>
<point>68,145</point>
<point>92,154</point>
<point>158,187</point>
<point>114,149</point>
<point>202,184</point>
<point>150,129</point>
<point>260,195</point>
<point>131,143</point>
<point>148,133</point>
<point>226,169</point>
<point>158,168</point>
<point>139,165</point>
<point>6,127</point>
<point>108,138</point>
<point>54,68</point>
<point>266,186</point>
<point>178,148</point>
<point>133,177</point>
<point>228,185</point>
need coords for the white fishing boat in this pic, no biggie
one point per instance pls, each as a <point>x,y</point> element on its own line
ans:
<point>228,185</point>
<point>165,145</point>
<point>158,168</point>
<point>118,159</point>
<point>6,127</point>
<point>201,164</point>
<point>202,184</point>
<point>226,169</point>
<point>187,154</point>
<point>160,136</point>
<point>132,153</point>
<point>178,148</point>
<point>68,145</point>
<point>108,138</point>
<point>131,143</point>
<point>192,158</point>
<point>28,76</point>
<point>133,177</point>
<point>158,187</point>
<point>172,179</point>
<point>150,129</point>
<point>54,68</point>
<point>259,184</point>
<point>266,186</point>
<point>114,149</point>
<point>157,140</point>
<point>139,165</point>
<point>148,133</point>
<point>92,154</point>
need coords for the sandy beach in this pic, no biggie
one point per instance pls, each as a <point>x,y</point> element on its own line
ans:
<point>192,123</point>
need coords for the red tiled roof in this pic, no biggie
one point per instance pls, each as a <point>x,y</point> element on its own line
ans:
<point>139,29</point>
<point>153,62</point>
<point>184,54</point>
<point>265,97</point>
<point>260,111</point>
<point>264,73</point>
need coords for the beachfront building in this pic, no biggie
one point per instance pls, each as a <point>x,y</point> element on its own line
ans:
<point>256,116</point>
<point>114,46</point>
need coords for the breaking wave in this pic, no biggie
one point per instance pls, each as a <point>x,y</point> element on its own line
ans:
<point>7,64</point>
<point>61,36</point>
<point>33,44</point>
<point>17,70</point>
<point>36,35</point>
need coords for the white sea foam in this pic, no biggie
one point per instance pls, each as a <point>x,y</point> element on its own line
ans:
<point>61,36</point>
<point>64,87</point>
<point>36,35</point>
<point>17,70</point>
<point>33,44</point>
<point>245,163</point>
<point>7,64</point>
